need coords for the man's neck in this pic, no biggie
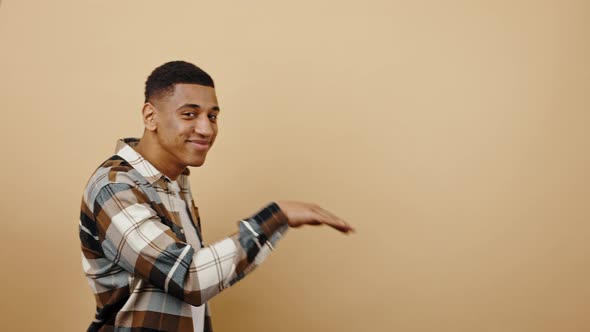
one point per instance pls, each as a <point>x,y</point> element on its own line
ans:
<point>151,151</point>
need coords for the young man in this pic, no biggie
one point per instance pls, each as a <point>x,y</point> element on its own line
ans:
<point>142,250</point>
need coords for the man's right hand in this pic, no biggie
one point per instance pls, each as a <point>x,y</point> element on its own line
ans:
<point>300,214</point>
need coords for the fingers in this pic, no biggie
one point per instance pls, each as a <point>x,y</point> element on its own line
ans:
<point>299,213</point>
<point>330,219</point>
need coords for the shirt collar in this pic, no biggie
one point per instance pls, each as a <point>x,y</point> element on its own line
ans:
<point>125,150</point>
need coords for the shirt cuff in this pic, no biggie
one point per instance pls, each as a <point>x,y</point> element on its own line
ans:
<point>271,219</point>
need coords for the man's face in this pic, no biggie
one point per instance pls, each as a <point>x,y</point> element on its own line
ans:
<point>186,124</point>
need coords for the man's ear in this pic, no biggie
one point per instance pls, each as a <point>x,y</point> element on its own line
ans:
<point>149,116</point>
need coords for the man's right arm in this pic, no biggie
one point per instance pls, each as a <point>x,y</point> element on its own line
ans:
<point>132,236</point>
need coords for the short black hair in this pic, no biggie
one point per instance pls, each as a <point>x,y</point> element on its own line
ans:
<point>163,78</point>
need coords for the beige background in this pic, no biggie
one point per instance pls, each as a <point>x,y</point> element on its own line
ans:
<point>452,134</point>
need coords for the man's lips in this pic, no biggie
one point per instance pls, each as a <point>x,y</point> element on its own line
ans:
<point>200,144</point>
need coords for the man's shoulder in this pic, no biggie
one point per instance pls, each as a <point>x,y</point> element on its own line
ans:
<point>114,170</point>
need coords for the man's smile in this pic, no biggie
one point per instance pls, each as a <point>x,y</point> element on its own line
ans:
<point>200,144</point>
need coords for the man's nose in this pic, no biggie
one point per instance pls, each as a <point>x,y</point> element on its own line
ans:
<point>204,127</point>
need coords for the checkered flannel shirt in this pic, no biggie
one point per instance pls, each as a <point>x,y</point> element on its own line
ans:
<point>144,275</point>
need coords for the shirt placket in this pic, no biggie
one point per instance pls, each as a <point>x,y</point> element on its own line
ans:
<point>181,207</point>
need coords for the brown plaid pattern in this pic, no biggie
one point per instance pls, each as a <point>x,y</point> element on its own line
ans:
<point>144,275</point>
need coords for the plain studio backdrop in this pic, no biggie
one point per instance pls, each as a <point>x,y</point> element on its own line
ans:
<point>453,134</point>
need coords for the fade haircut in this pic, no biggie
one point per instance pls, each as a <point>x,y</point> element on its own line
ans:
<point>162,80</point>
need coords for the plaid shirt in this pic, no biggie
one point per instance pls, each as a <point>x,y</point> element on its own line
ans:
<point>144,274</point>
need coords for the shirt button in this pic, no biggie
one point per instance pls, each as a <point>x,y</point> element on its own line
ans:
<point>182,231</point>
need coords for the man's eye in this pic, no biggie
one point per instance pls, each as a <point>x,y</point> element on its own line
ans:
<point>213,116</point>
<point>190,114</point>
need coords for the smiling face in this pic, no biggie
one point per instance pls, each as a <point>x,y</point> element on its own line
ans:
<point>182,126</point>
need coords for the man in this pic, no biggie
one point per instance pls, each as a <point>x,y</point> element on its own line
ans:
<point>142,250</point>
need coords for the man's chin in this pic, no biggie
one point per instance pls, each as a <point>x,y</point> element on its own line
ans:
<point>197,163</point>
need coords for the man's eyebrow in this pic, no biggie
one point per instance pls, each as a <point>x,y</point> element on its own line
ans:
<point>215,108</point>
